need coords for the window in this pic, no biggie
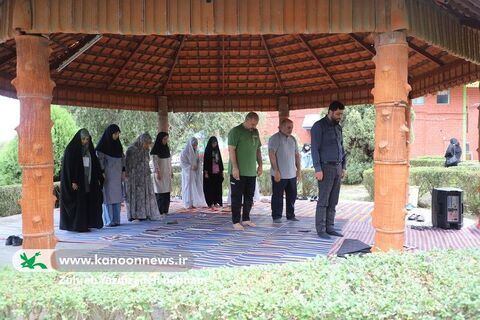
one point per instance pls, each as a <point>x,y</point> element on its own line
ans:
<point>443,97</point>
<point>420,101</point>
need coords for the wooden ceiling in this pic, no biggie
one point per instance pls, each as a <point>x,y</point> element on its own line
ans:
<point>128,66</point>
<point>204,66</point>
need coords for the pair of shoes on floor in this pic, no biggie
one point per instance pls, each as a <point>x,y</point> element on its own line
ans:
<point>314,198</point>
<point>277,220</point>
<point>416,217</point>
<point>14,241</point>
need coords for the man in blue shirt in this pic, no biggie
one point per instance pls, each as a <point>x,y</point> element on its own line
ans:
<point>329,161</point>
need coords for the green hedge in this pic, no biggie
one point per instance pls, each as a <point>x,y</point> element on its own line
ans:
<point>427,178</point>
<point>422,285</point>
<point>433,161</point>
<point>10,197</point>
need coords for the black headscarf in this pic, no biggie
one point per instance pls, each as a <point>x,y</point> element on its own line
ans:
<point>107,145</point>
<point>210,152</point>
<point>160,149</point>
<point>454,151</point>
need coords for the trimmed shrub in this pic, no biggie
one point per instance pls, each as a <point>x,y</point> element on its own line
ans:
<point>427,178</point>
<point>422,285</point>
<point>10,171</point>
<point>9,200</point>
<point>309,183</point>
<point>427,162</point>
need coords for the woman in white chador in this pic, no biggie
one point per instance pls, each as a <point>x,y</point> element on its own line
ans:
<point>192,178</point>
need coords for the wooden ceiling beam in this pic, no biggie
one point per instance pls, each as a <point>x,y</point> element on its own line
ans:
<point>362,44</point>
<point>127,61</point>
<point>272,64</point>
<point>74,51</point>
<point>223,65</point>
<point>305,43</point>
<point>8,58</point>
<point>175,61</point>
<point>424,53</point>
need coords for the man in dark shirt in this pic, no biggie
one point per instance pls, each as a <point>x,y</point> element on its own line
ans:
<point>329,161</point>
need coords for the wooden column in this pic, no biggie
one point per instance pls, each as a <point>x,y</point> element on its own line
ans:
<point>35,152</point>
<point>391,132</point>
<point>283,111</point>
<point>162,113</point>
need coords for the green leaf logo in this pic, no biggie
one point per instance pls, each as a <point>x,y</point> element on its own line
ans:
<point>30,262</point>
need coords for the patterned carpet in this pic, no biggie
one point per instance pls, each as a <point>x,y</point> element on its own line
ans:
<point>208,235</point>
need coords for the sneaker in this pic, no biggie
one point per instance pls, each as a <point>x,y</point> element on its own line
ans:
<point>17,241</point>
<point>292,219</point>
<point>238,227</point>
<point>249,223</point>
<point>9,240</point>
<point>278,220</point>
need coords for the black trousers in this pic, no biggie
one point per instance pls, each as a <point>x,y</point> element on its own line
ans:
<point>289,186</point>
<point>212,188</point>
<point>163,202</point>
<point>242,189</point>
<point>328,193</point>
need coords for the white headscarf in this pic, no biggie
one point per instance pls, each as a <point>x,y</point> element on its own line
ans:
<point>188,153</point>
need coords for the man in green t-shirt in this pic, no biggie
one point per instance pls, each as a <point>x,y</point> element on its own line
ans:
<point>244,151</point>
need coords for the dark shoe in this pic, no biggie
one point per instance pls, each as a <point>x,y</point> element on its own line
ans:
<point>324,235</point>
<point>292,219</point>
<point>413,216</point>
<point>17,241</point>
<point>334,233</point>
<point>278,220</point>
<point>9,240</point>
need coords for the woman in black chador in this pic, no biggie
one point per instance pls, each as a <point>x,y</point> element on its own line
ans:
<point>81,186</point>
<point>453,153</point>
<point>212,173</point>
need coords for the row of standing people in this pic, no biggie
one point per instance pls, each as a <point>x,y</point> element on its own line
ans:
<point>328,159</point>
<point>84,174</point>
<point>95,181</point>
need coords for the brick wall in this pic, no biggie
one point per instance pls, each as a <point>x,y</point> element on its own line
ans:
<point>433,127</point>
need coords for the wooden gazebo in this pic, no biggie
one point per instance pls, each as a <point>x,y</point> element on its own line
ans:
<point>224,55</point>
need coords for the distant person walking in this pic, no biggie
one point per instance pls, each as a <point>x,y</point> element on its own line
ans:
<point>453,154</point>
<point>330,163</point>
<point>244,150</point>
<point>285,170</point>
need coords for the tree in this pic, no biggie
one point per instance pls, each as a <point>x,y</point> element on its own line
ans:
<point>63,130</point>
<point>358,140</point>
<point>183,125</point>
